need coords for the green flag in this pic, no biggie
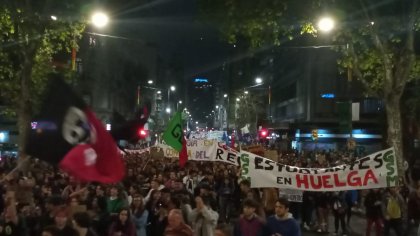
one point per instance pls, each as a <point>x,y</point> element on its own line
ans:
<point>174,133</point>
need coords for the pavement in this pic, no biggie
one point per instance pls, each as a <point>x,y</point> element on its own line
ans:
<point>357,227</point>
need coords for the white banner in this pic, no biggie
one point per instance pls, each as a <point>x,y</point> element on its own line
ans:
<point>292,195</point>
<point>205,150</point>
<point>378,170</point>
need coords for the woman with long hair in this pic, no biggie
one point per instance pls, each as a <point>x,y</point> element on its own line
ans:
<point>140,214</point>
<point>124,225</point>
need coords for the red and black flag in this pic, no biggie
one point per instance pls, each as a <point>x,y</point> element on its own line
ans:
<point>67,133</point>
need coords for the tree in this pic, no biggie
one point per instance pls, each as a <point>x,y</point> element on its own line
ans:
<point>30,38</point>
<point>376,40</point>
<point>249,110</point>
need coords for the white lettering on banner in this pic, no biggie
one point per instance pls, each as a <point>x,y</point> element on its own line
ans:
<point>205,150</point>
<point>378,170</point>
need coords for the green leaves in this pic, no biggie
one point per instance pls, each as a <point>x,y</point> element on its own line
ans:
<point>29,40</point>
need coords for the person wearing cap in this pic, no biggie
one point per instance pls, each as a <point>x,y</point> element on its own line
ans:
<point>62,224</point>
<point>249,223</point>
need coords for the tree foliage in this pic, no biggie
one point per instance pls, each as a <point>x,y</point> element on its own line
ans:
<point>376,39</point>
<point>248,110</point>
<point>30,38</point>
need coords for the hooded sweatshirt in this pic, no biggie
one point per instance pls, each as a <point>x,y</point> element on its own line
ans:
<point>284,227</point>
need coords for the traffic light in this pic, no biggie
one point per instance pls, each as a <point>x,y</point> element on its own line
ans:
<point>263,133</point>
<point>315,134</point>
<point>142,133</point>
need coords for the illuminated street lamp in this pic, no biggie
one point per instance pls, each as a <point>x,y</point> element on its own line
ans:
<point>326,24</point>
<point>238,99</point>
<point>258,80</point>
<point>150,82</point>
<point>159,92</point>
<point>172,88</point>
<point>246,92</point>
<point>99,19</point>
<point>225,95</point>
<point>168,110</point>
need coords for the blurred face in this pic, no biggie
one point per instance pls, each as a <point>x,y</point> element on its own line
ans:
<point>178,186</point>
<point>154,185</point>
<point>243,187</point>
<point>172,176</point>
<point>60,220</point>
<point>249,211</point>
<point>99,191</point>
<point>174,219</point>
<point>123,216</point>
<point>157,195</point>
<point>138,201</point>
<point>74,202</point>
<point>281,210</point>
<point>114,192</point>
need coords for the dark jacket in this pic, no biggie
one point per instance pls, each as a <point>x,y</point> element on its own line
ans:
<point>373,202</point>
<point>246,227</point>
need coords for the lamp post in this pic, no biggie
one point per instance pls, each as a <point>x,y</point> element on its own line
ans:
<point>179,103</point>
<point>227,112</point>
<point>171,88</point>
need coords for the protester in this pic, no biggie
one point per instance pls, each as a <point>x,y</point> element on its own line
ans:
<point>203,218</point>
<point>282,222</point>
<point>176,225</point>
<point>140,214</point>
<point>394,210</point>
<point>339,207</point>
<point>373,203</point>
<point>123,226</point>
<point>249,223</point>
<point>82,224</point>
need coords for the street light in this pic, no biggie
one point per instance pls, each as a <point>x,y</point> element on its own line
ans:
<point>168,110</point>
<point>217,106</point>
<point>172,88</point>
<point>99,19</point>
<point>326,24</point>
<point>246,92</point>
<point>196,122</point>
<point>159,92</point>
<point>54,18</point>
<point>180,102</point>
<point>225,95</point>
<point>238,99</point>
<point>150,82</point>
<point>258,80</point>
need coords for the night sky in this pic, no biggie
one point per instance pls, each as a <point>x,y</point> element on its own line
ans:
<point>174,27</point>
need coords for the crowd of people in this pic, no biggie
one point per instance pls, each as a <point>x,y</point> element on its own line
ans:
<point>204,199</point>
